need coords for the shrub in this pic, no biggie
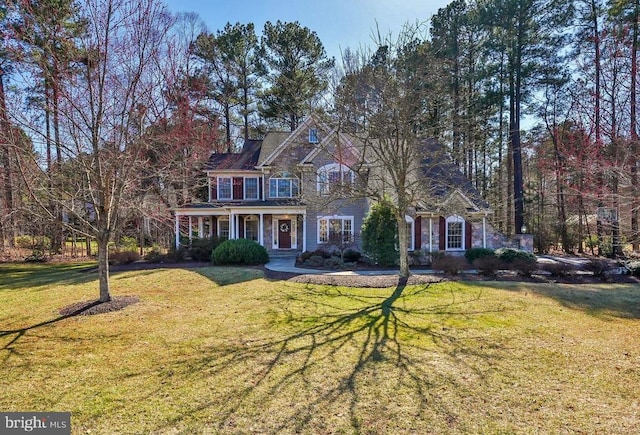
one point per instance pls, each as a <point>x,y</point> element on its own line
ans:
<point>128,244</point>
<point>524,266</point>
<point>177,255</point>
<point>351,256</point>
<point>25,242</point>
<point>123,257</point>
<point>598,267</point>
<point>474,253</point>
<point>201,249</point>
<point>558,269</point>
<point>509,255</point>
<point>240,251</point>
<point>36,256</point>
<point>334,263</point>
<point>314,261</point>
<point>306,255</point>
<point>379,233</point>
<point>449,264</point>
<point>488,266</point>
<point>155,255</point>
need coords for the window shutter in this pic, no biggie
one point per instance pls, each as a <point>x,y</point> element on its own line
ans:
<point>237,187</point>
<point>467,235</point>
<point>214,189</point>
<point>417,244</point>
<point>443,234</point>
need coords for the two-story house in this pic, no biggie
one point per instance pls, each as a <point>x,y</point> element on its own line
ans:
<point>280,192</point>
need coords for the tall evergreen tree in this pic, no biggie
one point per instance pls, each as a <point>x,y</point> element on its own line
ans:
<point>230,65</point>
<point>296,69</point>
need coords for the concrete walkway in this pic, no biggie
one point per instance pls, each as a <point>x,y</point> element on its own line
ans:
<point>289,265</point>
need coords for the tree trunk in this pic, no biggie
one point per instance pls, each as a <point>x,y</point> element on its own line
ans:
<point>403,245</point>
<point>103,267</point>
<point>635,149</point>
<point>8,230</point>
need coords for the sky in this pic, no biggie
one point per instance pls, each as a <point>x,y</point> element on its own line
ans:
<point>338,23</point>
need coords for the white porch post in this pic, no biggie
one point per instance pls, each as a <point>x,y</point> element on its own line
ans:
<point>261,230</point>
<point>484,231</point>
<point>190,229</point>
<point>304,232</point>
<point>177,229</point>
<point>431,234</point>
<point>232,225</point>
<point>200,227</point>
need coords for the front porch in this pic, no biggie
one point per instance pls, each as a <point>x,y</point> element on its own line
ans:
<point>276,228</point>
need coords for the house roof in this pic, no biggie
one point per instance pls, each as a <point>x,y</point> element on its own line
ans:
<point>246,159</point>
<point>270,143</point>
<point>445,178</point>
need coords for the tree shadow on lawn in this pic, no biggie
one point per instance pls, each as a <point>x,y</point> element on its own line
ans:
<point>31,276</point>
<point>332,350</point>
<point>222,275</point>
<point>84,308</point>
<point>599,300</point>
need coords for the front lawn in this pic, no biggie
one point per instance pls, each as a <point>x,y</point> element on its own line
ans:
<point>225,350</point>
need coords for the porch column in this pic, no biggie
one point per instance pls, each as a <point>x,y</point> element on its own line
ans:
<point>261,230</point>
<point>232,225</point>
<point>190,229</point>
<point>304,232</point>
<point>210,226</point>
<point>177,229</point>
<point>200,227</point>
<point>431,234</point>
<point>484,231</point>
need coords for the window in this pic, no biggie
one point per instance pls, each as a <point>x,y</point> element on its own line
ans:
<point>313,135</point>
<point>282,186</point>
<point>335,229</point>
<point>224,188</point>
<point>251,188</point>
<point>251,228</point>
<point>455,233</point>
<point>410,232</point>
<point>223,228</point>
<point>332,176</point>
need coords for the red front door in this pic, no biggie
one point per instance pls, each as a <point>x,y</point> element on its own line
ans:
<point>284,233</point>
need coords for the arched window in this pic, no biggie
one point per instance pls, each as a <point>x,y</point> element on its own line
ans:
<point>332,175</point>
<point>455,233</point>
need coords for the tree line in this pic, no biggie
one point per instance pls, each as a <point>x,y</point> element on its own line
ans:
<point>109,110</point>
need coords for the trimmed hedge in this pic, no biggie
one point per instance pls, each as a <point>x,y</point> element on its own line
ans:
<point>510,255</point>
<point>240,251</point>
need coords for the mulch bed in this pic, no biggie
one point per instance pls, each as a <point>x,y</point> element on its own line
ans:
<point>90,308</point>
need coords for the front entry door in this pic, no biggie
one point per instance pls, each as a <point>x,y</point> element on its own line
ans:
<point>284,233</point>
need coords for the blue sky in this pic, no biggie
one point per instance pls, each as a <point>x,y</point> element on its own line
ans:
<point>338,23</point>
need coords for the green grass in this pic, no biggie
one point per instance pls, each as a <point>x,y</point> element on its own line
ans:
<point>223,350</point>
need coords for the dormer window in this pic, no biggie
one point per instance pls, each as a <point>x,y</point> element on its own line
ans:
<point>313,135</point>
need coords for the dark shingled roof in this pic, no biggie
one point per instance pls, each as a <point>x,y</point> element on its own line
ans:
<point>444,176</point>
<point>246,159</point>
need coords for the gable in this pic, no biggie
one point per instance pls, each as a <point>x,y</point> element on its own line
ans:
<point>446,182</point>
<point>336,147</point>
<point>295,146</point>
